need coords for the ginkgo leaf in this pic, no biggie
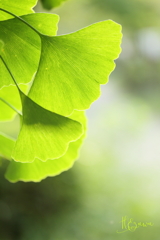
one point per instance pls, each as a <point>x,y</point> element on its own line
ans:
<point>49,4</point>
<point>44,134</point>
<point>10,102</point>
<point>39,170</point>
<point>21,50</point>
<point>7,145</point>
<point>73,66</point>
<point>17,7</point>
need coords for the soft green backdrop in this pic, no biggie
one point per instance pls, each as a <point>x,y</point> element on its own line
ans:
<point>117,173</point>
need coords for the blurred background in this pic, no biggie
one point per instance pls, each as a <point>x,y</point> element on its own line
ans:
<point>118,171</point>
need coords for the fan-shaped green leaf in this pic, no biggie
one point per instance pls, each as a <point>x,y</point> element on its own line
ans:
<point>39,170</point>
<point>73,66</point>
<point>44,134</point>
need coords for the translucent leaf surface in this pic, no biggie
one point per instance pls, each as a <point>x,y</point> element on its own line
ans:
<point>49,4</point>
<point>1,46</point>
<point>44,134</point>
<point>24,44</point>
<point>73,66</point>
<point>66,72</point>
<point>6,146</point>
<point>39,170</point>
<point>17,7</point>
<point>11,96</point>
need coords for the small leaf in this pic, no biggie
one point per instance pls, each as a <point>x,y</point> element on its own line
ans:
<point>21,51</point>
<point>73,66</point>
<point>39,170</point>
<point>17,7</point>
<point>49,4</point>
<point>44,134</point>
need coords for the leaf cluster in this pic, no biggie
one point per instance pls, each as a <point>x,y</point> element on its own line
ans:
<point>49,81</point>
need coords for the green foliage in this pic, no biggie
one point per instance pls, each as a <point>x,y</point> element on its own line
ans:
<point>46,134</point>
<point>80,56</point>
<point>63,75</point>
<point>38,170</point>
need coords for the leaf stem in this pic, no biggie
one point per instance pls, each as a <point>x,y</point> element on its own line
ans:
<point>22,20</point>
<point>10,72</point>
<point>11,106</point>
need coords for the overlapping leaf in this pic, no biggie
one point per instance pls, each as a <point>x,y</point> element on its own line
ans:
<point>73,66</point>
<point>37,126</point>
<point>39,170</point>
<point>44,134</point>
<point>82,61</point>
